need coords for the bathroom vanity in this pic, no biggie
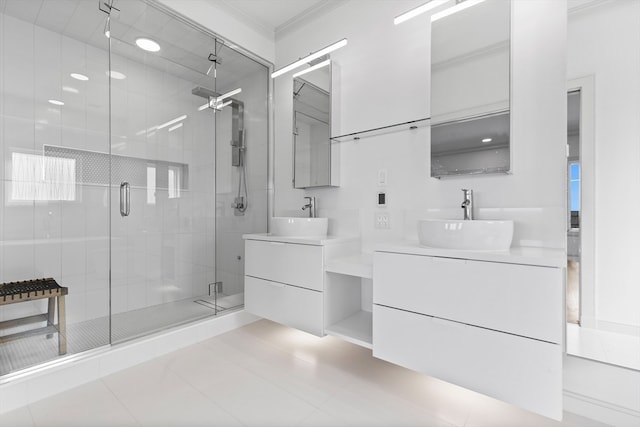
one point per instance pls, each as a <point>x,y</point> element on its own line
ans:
<point>488,321</point>
<point>491,322</point>
<point>285,279</point>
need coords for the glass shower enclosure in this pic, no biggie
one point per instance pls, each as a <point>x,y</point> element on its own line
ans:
<point>129,175</point>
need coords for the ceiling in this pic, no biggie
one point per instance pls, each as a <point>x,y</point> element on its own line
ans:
<point>275,16</point>
<point>185,49</point>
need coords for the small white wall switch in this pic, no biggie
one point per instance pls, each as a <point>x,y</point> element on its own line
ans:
<point>382,220</point>
<point>382,177</point>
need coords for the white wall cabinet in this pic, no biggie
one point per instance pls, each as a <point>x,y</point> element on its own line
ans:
<point>492,327</point>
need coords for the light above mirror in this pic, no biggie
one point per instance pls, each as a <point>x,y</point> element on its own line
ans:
<point>418,11</point>
<point>459,5</point>
<point>309,58</point>
<point>312,68</point>
<point>457,8</point>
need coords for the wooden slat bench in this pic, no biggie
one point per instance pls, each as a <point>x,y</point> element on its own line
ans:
<point>30,290</point>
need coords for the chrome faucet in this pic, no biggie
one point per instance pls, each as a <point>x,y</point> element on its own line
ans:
<point>311,205</point>
<point>467,204</point>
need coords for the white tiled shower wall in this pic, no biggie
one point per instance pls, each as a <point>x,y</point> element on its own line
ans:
<point>231,227</point>
<point>35,67</point>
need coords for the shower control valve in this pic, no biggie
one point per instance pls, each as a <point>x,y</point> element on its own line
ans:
<point>238,203</point>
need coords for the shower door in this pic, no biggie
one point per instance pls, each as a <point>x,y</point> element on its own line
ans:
<point>172,179</point>
<point>119,174</point>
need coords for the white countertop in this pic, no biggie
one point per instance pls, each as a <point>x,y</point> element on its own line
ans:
<point>316,241</point>
<point>545,257</point>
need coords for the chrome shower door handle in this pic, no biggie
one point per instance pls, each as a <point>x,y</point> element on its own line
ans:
<point>125,199</point>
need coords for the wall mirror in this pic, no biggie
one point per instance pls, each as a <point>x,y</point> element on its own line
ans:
<point>313,162</point>
<point>470,91</point>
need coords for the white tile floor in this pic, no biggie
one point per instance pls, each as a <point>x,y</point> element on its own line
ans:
<point>265,374</point>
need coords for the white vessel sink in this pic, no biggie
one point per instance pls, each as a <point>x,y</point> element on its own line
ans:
<point>479,235</point>
<point>299,227</point>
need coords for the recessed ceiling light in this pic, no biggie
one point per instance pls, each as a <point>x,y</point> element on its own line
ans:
<point>487,140</point>
<point>147,44</point>
<point>116,75</point>
<point>55,102</point>
<point>79,76</point>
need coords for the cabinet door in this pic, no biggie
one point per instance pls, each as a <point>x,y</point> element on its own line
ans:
<point>293,264</point>
<point>292,306</point>
<point>521,371</point>
<point>520,299</point>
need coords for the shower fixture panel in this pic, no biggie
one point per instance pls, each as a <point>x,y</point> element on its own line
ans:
<point>238,147</point>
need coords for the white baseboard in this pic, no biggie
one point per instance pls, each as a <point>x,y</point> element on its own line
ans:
<point>606,393</point>
<point>41,382</point>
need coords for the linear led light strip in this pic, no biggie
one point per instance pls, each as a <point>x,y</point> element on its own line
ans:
<point>457,8</point>
<point>310,69</point>
<point>310,57</point>
<point>432,5</point>
<point>418,11</point>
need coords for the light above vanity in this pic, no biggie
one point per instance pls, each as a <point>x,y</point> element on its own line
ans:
<point>309,58</point>
<point>418,11</point>
<point>313,68</point>
<point>460,5</point>
<point>457,8</point>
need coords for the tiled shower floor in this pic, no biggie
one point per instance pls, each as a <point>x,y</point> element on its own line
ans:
<point>90,334</point>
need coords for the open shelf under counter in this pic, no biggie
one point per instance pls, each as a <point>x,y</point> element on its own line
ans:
<point>360,265</point>
<point>356,329</point>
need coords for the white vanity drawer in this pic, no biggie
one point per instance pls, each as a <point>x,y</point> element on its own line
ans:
<point>292,306</point>
<point>294,264</point>
<point>521,371</point>
<point>520,299</point>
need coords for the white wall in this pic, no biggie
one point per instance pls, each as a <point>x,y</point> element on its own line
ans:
<point>383,79</point>
<point>603,43</point>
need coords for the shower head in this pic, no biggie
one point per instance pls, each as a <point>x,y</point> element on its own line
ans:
<point>204,92</point>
